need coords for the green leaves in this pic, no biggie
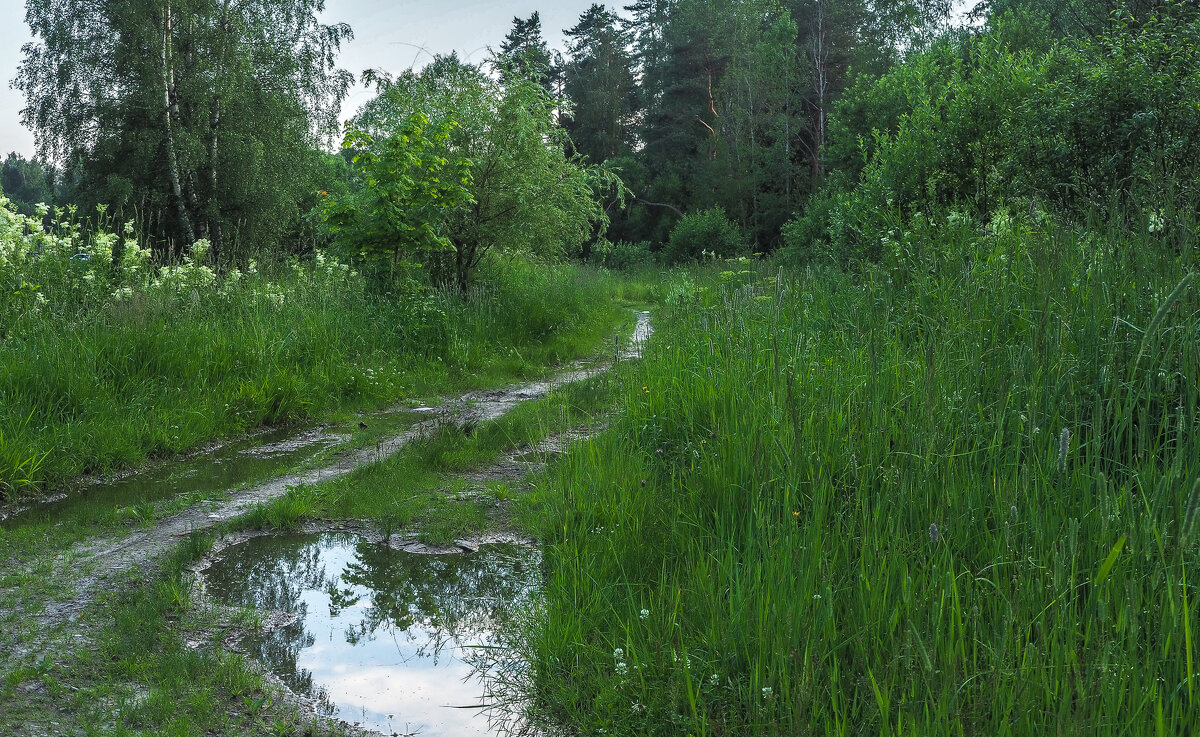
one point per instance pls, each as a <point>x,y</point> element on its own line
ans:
<point>409,190</point>
<point>502,144</point>
<point>1107,566</point>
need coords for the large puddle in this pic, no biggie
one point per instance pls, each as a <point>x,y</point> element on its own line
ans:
<point>207,474</point>
<point>384,639</point>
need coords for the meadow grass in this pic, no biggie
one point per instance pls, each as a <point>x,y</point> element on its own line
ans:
<point>955,494</point>
<point>89,386</point>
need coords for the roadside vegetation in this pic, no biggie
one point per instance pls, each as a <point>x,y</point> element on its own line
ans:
<point>935,472</point>
<point>106,365</point>
<point>955,496</point>
<point>915,447</point>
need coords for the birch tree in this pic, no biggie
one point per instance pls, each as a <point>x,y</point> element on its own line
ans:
<point>200,117</point>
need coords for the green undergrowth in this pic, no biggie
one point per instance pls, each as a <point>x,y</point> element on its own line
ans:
<point>438,486</point>
<point>152,664</point>
<point>101,385</point>
<point>957,493</point>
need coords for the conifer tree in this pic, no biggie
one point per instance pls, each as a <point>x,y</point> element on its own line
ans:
<point>600,85</point>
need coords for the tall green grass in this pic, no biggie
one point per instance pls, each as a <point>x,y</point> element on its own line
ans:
<point>98,384</point>
<point>956,494</point>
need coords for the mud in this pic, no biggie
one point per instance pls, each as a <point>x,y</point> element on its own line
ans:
<point>100,563</point>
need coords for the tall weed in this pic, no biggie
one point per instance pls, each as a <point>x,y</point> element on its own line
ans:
<point>949,495</point>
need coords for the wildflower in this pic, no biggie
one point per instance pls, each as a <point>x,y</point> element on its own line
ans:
<point>768,692</point>
<point>644,613</point>
<point>1156,222</point>
<point>934,534</point>
<point>621,668</point>
<point>618,653</point>
<point>714,679</point>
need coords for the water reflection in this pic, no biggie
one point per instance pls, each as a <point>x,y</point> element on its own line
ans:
<point>380,637</point>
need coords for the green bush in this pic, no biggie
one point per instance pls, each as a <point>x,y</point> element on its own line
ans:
<point>705,232</point>
<point>980,125</point>
<point>623,255</point>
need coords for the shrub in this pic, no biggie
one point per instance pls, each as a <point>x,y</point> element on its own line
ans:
<point>980,126</point>
<point>622,255</point>
<point>705,232</point>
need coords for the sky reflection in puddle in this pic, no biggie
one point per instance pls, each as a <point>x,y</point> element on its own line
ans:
<point>382,638</point>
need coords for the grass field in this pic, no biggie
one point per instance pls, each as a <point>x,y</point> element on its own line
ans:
<point>955,494</point>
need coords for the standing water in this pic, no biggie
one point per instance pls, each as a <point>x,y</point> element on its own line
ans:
<point>380,638</point>
<point>206,474</point>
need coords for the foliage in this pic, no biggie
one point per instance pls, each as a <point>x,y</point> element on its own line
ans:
<point>955,495</point>
<point>623,255</point>
<point>708,232</point>
<point>27,183</point>
<point>104,364</point>
<point>1071,18</point>
<point>526,194</point>
<point>199,117</point>
<point>598,79</point>
<point>735,97</point>
<point>525,56</point>
<point>977,126</point>
<point>407,191</point>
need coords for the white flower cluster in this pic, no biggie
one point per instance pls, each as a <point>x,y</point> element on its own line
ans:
<point>60,263</point>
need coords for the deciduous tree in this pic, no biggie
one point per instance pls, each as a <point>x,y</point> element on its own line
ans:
<point>199,116</point>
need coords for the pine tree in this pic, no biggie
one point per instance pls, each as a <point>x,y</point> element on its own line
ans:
<point>600,85</point>
<point>524,53</point>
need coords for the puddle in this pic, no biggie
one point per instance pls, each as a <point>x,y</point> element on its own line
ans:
<point>228,466</point>
<point>538,457</point>
<point>641,333</point>
<point>382,638</point>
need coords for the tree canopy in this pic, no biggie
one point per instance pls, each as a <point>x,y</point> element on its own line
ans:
<point>523,192</point>
<point>200,117</point>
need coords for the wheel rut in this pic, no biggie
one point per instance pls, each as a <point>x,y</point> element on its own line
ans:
<point>97,565</point>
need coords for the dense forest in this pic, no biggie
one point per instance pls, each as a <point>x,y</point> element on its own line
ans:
<point>752,122</point>
<point>914,448</point>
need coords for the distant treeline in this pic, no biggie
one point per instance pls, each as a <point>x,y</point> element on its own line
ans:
<point>745,115</point>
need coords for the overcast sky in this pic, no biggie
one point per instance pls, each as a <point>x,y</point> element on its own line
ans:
<point>388,34</point>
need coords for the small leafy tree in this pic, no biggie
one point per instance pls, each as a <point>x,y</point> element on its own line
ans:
<point>408,190</point>
<point>526,195</point>
<point>708,231</point>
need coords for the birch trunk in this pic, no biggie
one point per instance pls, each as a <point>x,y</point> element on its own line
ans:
<point>168,80</point>
<point>213,209</point>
